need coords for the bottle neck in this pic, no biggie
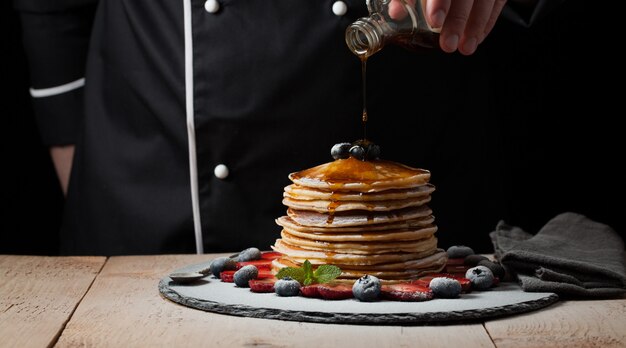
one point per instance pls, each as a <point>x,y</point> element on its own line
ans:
<point>365,37</point>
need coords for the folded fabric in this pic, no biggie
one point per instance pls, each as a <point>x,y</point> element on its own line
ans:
<point>570,255</point>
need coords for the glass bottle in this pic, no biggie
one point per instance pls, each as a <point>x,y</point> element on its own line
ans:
<point>402,22</point>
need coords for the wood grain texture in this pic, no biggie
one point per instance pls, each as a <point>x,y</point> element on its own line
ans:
<point>588,323</point>
<point>38,295</point>
<point>125,308</point>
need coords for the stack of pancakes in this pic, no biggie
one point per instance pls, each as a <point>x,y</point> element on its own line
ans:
<point>367,217</point>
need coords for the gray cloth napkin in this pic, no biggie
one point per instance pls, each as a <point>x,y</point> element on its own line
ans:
<point>570,255</point>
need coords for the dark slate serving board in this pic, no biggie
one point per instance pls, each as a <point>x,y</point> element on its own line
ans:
<point>210,294</point>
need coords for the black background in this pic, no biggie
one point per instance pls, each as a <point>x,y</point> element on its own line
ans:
<point>565,149</point>
<point>32,199</point>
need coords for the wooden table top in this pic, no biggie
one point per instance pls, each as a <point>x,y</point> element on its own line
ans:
<point>98,301</point>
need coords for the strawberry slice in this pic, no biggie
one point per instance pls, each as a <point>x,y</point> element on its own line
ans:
<point>406,292</point>
<point>265,274</point>
<point>423,281</point>
<point>270,255</point>
<point>466,284</point>
<point>335,291</point>
<point>262,285</point>
<point>311,291</point>
<point>260,264</point>
<point>227,276</point>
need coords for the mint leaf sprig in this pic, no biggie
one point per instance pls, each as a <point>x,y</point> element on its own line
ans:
<point>306,276</point>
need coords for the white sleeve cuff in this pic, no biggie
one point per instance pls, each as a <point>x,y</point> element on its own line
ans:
<point>48,92</point>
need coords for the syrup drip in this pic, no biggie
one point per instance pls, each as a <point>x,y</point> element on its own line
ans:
<point>364,83</point>
<point>332,206</point>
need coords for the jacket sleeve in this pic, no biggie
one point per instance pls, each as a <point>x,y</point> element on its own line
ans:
<point>527,15</point>
<point>56,37</point>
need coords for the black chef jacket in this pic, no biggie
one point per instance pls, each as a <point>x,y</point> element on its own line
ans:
<point>264,88</point>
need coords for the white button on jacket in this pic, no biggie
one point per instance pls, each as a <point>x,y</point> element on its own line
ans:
<point>340,8</point>
<point>212,6</point>
<point>221,171</point>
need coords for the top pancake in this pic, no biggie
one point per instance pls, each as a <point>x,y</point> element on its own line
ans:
<point>305,193</point>
<point>361,176</point>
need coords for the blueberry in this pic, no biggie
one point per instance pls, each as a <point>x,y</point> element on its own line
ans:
<point>222,264</point>
<point>480,276</point>
<point>245,274</point>
<point>373,152</point>
<point>459,251</point>
<point>366,288</point>
<point>249,254</point>
<point>495,268</point>
<point>341,150</point>
<point>445,287</point>
<point>357,152</point>
<point>287,287</point>
<point>473,260</point>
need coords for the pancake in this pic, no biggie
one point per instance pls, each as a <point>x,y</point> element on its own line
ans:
<point>407,225</point>
<point>386,236</point>
<point>353,175</point>
<point>304,193</point>
<point>366,217</point>
<point>338,206</point>
<point>364,248</point>
<point>356,218</point>
<point>426,259</point>
<point>300,254</point>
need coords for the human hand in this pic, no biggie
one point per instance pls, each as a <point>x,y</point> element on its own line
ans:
<point>464,23</point>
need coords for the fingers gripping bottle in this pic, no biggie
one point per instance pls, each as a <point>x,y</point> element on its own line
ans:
<point>402,22</point>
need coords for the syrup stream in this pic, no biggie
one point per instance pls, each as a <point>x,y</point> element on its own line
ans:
<point>364,82</point>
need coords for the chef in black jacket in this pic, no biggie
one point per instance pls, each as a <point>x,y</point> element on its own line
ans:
<point>188,116</point>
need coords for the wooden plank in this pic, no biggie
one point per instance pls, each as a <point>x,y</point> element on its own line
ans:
<point>38,295</point>
<point>590,323</point>
<point>124,308</point>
